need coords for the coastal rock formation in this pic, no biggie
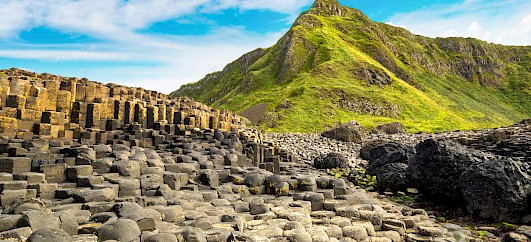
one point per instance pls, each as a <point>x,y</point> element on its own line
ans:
<point>170,170</point>
<point>58,107</point>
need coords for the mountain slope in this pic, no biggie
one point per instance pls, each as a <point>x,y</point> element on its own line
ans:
<point>336,65</point>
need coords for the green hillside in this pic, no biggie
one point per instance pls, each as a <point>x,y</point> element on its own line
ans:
<point>336,65</point>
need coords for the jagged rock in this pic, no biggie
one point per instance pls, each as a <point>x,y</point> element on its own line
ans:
<point>393,176</point>
<point>349,132</point>
<point>330,161</point>
<point>498,189</point>
<point>489,186</point>
<point>388,161</point>
<point>380,152</point>
<point>84,155</point>
<point>376,77</point>
<point>437,166</point>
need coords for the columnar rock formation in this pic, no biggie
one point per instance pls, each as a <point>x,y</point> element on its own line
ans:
<point>83,161</point>
<point>59,107</point>
<point>513,141</point>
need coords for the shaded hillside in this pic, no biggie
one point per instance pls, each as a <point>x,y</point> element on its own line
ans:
<point>335,65</point>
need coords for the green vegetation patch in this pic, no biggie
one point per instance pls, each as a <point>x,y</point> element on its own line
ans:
<point>333,69</point>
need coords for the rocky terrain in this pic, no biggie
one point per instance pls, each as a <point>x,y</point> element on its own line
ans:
<point>484,173</point>
<point>126,164</point>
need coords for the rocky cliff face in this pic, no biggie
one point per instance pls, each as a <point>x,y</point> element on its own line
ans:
<point>334,49</point>
<point>60,107</point>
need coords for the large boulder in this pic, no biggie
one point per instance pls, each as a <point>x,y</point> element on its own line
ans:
<point>391,128</point>
<point>381,152</point>
<point>393,176</point>
<point>388,161</point>
<point>349,132</point>
<point>488,186</point>
<point>437,166</point>
<point>330,161</point>
<point>498,189</point>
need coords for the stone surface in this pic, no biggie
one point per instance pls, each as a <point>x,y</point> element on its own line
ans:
<point>128,164</point>
<point>48,234</point>
<point>330,161</point>
<point>119,230</point>
<point>350,132</point>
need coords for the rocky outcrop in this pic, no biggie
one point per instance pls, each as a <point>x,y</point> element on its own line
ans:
<point>513,141</point>
<point>59,107</point>
<point>349,132</point>
<point>390,128</point>
<point>330,161</point>
<point>328,7</point>
<point>437,166</point>
<point>388,161</point>
<point>488,186</point>
<point>498,189</point>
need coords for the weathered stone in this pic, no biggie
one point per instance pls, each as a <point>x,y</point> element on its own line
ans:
<point>349,132</point>
<point>8,222</point>
<point>15,165</point>
<point>359,233</point>
<point>18,234</point>
<point>49,234</point>
<point>119,230</point>
<point>127,168</point>
<point>161,237</point>
<point>390,128</point>
<point>330,161</point>
<point>38,219</point>
<point>99,195</point>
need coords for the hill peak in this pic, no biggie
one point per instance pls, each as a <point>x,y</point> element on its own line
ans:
<point>331,7</point>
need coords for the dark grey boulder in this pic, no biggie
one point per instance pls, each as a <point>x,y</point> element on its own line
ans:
<point>498,189</point>
<point>330,161</point>
<point>350,132</point>
<point>488,186</point>
<point>379,153</point>
<point>437,166</point>
<point>393,176</point>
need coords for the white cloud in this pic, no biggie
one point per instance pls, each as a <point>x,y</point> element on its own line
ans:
<point>281,6</point>
<point>503,22</point>
<point>64,55</point>
<point>115,27</point>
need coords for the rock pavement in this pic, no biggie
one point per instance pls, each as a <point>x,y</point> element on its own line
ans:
<point>119,164</point>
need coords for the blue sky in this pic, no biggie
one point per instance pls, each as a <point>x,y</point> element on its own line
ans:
<point>163,44</point>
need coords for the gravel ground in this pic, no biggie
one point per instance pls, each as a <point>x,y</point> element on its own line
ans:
<point>309,146</point>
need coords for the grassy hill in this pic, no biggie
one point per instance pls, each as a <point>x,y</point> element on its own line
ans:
<point>336,65</point>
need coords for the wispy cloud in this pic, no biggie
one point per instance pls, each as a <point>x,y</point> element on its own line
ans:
<point>118,36</point>
<point>503,22</point>
<point>114,28</point>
